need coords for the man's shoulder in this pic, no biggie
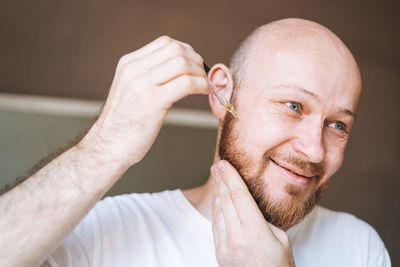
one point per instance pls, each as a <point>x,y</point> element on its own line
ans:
<point>331,219</point>
<point>326,216</point>
<point>138,202</point>
<point>136,212</point>
<point>343,227</point>
<point>146,196</point>
<point>341,221</point>
<point>338,237</point>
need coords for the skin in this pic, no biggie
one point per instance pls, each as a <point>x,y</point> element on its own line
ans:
<point>39,213</point>
<point>297,54</point>
<point>146,84</point>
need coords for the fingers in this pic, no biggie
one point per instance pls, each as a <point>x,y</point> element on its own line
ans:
<point>248,212</point>
<point>161,73</point>
<point>281,235</point>
<point>173,68</point>
<point>224,205</point>
<point>240,195</point>
<point>145,50</point>
<point>218,223</point>
<point>183,86</point>
<point>157,53</point>
<point>171,52</point>
<point>171,65</point>
<point>238,225</point>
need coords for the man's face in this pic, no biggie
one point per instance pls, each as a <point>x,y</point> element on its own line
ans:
<point>294,114</point>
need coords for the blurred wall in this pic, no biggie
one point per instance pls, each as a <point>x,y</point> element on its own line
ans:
<point>70,49</point>
<point>180,157</point>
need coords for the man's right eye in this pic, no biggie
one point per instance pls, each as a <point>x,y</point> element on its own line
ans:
<point>296,107</point>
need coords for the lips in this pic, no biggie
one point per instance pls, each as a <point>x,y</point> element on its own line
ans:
<point>294,169</point>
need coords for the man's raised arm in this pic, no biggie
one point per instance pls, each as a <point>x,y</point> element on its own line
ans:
<point>40,212</point>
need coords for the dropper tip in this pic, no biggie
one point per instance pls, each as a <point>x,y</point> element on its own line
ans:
<point>231,110</point>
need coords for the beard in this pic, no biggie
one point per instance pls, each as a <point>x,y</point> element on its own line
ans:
<point>284,212</point>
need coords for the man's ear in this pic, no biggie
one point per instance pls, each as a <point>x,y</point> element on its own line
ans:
<point>220,76</point>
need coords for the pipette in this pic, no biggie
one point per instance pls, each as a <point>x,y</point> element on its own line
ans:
<point>220,98</point>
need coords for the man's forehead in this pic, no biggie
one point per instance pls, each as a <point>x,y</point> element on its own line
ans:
<point>301,55</point>
<point>323,88</point>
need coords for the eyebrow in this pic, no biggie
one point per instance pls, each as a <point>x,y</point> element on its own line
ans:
<point>310,94</point>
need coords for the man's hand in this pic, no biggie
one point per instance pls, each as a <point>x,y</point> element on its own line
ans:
<point>57,196</point>
<point>146,84</point>
<point>242,236</point>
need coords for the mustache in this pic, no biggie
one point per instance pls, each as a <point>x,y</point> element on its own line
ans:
<point>295,160</point>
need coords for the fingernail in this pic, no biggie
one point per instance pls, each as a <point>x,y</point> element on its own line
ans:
<point>214,170</point>
<point>221,166</point>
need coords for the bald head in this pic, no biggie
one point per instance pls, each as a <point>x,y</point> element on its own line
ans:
<point>298,90</point>
<point>292,36</point>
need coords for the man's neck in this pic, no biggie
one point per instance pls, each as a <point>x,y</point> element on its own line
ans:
<point>201,198</point>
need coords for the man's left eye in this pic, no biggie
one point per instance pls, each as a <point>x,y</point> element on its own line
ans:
<point>338,125</point>
<point>294,106</point>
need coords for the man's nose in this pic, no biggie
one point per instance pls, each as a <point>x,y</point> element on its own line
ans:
<point>309,141</point>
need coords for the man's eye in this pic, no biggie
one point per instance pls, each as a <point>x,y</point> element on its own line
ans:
<point>338,125</point>
<point>293,106</point>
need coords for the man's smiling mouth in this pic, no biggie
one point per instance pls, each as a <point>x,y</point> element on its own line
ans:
<point>294,170</point>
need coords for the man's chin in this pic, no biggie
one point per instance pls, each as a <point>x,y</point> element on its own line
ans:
<point>284,212</point>
<point>297,193</point>
<point>289,197</point>
<point>286,191</point>
<point>289,206</point>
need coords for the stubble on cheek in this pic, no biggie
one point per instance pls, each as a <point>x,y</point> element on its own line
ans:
<point>282,211</point>
<point>286,208</point>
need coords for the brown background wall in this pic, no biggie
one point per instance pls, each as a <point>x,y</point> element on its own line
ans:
<point>70,49</point>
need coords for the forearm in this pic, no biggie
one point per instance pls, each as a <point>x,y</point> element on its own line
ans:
<point>40,212</point>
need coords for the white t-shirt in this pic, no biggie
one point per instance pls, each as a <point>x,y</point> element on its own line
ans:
<point>164,229</point>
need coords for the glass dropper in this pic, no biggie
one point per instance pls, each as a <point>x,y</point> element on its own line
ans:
<point>229,107</point>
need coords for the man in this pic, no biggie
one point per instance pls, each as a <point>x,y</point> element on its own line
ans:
<point>295,87</point>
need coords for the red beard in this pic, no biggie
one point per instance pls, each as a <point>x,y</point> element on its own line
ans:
<point>283,213</point>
